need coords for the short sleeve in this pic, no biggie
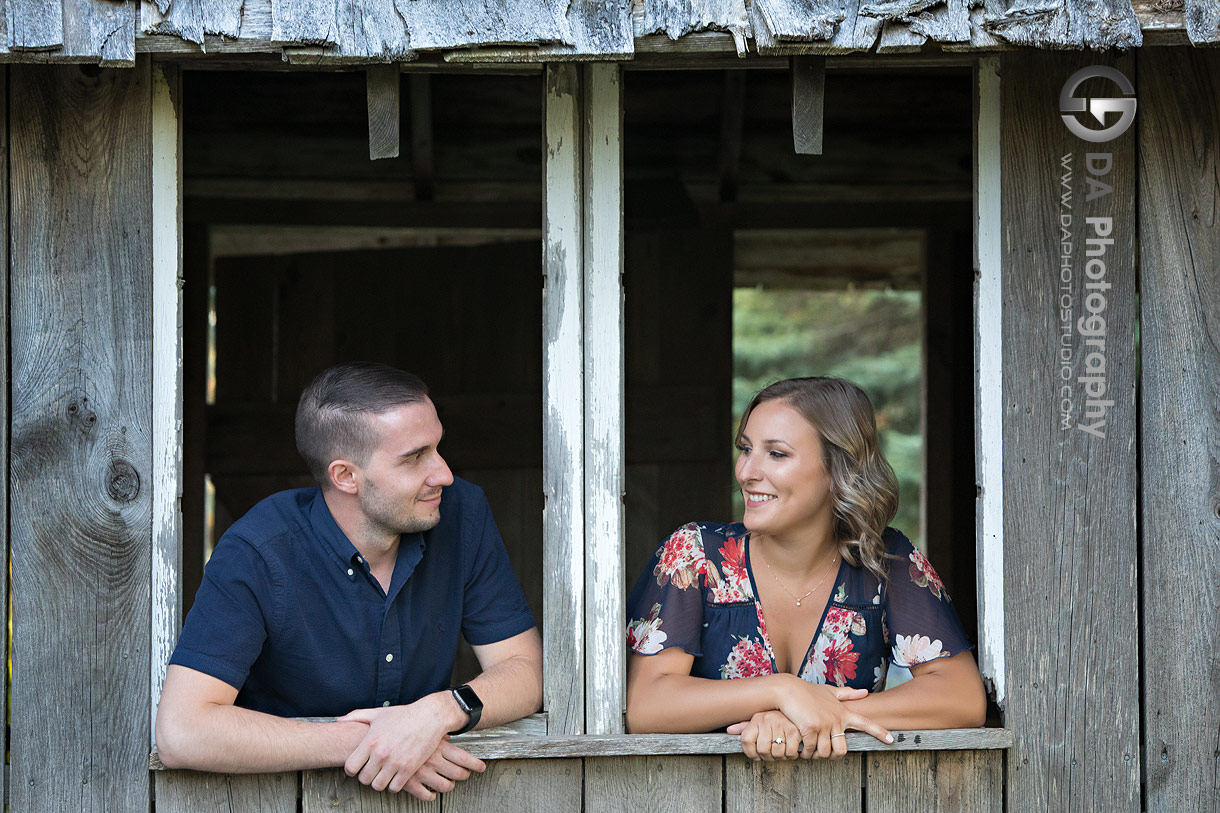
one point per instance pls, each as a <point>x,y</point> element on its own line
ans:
<point>227,626</point>
<point>665,609</point>
<point>493,605</point>
<point>923,624</point>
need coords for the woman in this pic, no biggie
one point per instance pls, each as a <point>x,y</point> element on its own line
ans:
<point>779,627</point>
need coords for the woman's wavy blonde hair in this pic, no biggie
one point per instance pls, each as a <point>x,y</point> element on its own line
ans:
<point>863,490</point>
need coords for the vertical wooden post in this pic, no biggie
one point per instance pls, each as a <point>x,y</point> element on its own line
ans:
<point>989,393</point>
<point>166,609</point>
<point>808,103</point>
<point>1179,94</point>
<point>1072,643</point>
<point>81,466</point>
<point>605,538</point>
<point>563,605</point>
<point>4,395</point>
<point>382,91</point>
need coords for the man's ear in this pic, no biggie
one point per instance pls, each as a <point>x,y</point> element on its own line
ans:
<point>342,475</point>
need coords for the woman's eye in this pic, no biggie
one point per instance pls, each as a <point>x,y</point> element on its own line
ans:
<point>743,449</point>
<point>778,454</point>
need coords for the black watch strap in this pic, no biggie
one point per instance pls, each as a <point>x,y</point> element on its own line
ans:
<point>470,703</point>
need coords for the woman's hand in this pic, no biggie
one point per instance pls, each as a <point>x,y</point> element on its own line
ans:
<point>768,736</point>
<point>816,711</point>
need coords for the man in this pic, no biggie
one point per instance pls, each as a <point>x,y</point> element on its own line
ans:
<point>347,600</point>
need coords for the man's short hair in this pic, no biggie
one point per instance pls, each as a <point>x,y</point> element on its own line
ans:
<point>332,415</point>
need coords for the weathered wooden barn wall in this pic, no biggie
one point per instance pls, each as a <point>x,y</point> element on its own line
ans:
<point>1179,196</point>
<point>80,253</point>
<point>1070,543</point>
<point>4,381</point>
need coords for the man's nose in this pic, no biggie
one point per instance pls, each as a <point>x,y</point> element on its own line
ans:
<point>441,475</point>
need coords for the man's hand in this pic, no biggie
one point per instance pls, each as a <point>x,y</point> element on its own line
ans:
<point>447,766</point>
<point>401,739</point>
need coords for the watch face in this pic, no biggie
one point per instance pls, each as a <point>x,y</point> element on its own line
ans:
<point>467,698</point>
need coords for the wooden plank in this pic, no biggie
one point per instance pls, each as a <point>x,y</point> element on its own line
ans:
<point>898,38</point>
<point>679,19</point>
<point>989,392</point>
<point>333,790</point>
<point>947,23</point>
<point>632,784</point>
<point>601,29</point>
<point>382,90</point>
<point>81,465</point>
<point>1095,24</point>
<point>519,785</point>
<point>936,781</point>
<point>563,401</point>
<point>191,20</point>
<point>195,792</point>
<point>1069,494</point>
<point>444,24</point>
<point>1202,22</point>
<point>304,22</point>
<point>104,33</point>
<point>800,786</point>
<point>5,384</point>
<point>808,103</point>
<point>1180,318</point>
<point>166,590</point>
<point>799,20</point>
<point>604,383</point>
<point>34,25</point>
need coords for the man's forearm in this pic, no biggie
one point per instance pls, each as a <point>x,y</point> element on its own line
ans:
<point>510,690</point>
<point>231,739</point>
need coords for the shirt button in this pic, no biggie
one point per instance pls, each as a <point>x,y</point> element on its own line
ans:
<point>389,656</point>
<point>351,572</point>
<point>385,702</point>
<point>360,559</point>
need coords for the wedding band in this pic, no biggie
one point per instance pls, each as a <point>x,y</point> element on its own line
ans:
<point>840,734</point>
<point>779,740</point>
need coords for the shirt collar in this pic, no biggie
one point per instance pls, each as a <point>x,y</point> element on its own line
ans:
<point>410,546</point>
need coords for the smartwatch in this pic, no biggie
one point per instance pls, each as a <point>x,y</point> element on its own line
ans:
<point>470,703</point>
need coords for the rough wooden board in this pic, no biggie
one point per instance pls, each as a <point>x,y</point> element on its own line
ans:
<point>444,24</point>
<point>800,786</point>
<point>808,103</point>
<point>365,31</point>
<point>1180,439</point>
<point>101,32</point>
<point>936,782</point>
<point>34,25</point>
<point>633,784</point>
<point>605,673</point>
<point>383,92</point>
<point>980,38</point>
<point>677,18</point>
<point>898,38</point>
<point>304,22</point>
<point>195,792</point>
<point>526,785</point>
<point>563,395</point>
<point>1202,21</point>
<point>947,23</point>
<point>192,19</point>
<point>798,19</point>
<point>81,464</point>
<point>5,382</point>
<point>1096,24</point>
<point>601,29</point>
<point>1070,542</point>
<point>333,790</point>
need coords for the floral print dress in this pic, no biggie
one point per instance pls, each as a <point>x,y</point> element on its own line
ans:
<point>698,593</point>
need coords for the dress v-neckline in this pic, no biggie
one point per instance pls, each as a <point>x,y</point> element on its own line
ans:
<point>766,636</point>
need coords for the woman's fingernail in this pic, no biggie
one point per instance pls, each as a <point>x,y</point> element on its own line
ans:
<point>889,738</point>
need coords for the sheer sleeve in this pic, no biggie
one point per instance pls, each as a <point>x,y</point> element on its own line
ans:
<point>665,608</point>
<point>923,625</point>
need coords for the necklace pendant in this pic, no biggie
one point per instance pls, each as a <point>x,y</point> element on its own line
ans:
<point>798,604</point>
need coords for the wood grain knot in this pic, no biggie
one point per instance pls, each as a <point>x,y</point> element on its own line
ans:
<point>122,481</point>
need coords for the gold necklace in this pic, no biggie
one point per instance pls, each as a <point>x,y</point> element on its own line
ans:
<point>789,592</point>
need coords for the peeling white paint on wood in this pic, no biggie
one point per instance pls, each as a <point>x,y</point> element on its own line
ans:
<point>605,530</point>
<point>166,616</point>
<point>989,396</point>
<point>563,395</point>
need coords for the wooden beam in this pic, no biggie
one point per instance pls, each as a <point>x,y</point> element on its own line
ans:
<point>5,382</point>
<point>422,163</point>
<point>166,589</point>
<point>602,139</point>
<point>382,84</point>
<point>563,396</point>
<point>808,103</point>
<point>1179,135</point>
<point>732,119</point>
<point>81,460</point>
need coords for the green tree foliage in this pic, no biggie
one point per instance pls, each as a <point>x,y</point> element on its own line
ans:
<point>870,337</point>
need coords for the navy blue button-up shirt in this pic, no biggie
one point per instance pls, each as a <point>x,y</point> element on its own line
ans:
<point>290,615</point>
